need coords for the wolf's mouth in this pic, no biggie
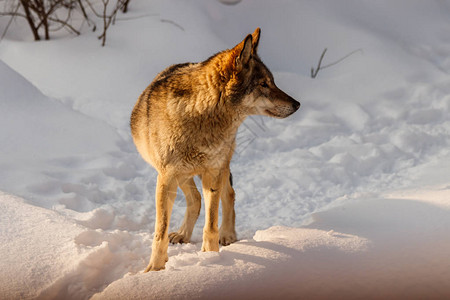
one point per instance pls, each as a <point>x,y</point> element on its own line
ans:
<point>271,114</point>
<point>277,115</point>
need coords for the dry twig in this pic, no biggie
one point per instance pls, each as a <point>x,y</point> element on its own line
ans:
<point>314,72</point>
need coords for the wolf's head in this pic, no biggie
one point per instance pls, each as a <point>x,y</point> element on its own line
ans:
<point>251,86</point>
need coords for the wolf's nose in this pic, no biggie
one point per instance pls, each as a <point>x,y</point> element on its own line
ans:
<point>296,105</point>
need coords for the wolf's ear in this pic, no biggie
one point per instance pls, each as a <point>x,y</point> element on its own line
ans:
<point>246,52</point>
<point>255,35</point>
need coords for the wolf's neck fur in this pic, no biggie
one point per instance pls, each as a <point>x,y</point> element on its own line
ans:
<point>213,100</point>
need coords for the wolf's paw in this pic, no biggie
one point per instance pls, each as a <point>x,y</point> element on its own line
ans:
<point>152,267</point>
<point>157,264</point>
<point>176,237</point>
<point>210,245</point>
<point>227,238</point>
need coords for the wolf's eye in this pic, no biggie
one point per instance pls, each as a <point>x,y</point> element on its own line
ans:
<point>264,84</point>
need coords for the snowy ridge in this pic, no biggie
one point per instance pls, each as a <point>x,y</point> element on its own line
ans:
<point>37,248</point>
<point>326,181</point>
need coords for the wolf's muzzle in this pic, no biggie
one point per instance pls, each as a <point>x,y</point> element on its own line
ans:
<point>295,105</point>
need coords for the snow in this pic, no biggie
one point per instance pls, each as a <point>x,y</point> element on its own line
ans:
<point>347,198</point>
<point>37,247</point>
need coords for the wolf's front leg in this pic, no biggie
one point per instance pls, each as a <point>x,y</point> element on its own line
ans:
<point>212,189</point>
<point>166,189</point>
<point>227,230</point>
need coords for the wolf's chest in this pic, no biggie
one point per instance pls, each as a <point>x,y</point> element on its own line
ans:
<point>206,152</point>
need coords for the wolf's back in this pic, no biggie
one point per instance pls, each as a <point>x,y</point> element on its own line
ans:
<point>157,89</point>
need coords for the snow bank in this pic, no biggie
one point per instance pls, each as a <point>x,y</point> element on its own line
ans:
<point>369,248</point>
<point>37,248</point>
<point>49,256</point>
<point>364,249</point>
<point>42,139</point>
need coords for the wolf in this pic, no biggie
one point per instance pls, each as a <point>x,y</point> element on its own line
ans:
<point>184,124</point>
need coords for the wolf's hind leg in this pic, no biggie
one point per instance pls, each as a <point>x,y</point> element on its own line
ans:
<point>193,202</point>
<point>227,231</point>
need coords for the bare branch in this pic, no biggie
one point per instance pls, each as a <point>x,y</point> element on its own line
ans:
<point>26,6</point>
<point>341,59</point>
<point>137,17</point>
<point>83,12</point>
<point>43,15</point>
<point>107,18</point>
<point>46,16</point>
<point>314,72</point>
<point>125,6</point>
<point>173,23</point>
<point>64,23</point>
<point>14,13</point>
<point>93,9</point>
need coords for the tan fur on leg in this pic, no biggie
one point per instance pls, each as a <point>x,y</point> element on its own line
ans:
<point>166,190</point>
<point>212,188</point>
<point>227,231</point>
<point>193,202</point>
